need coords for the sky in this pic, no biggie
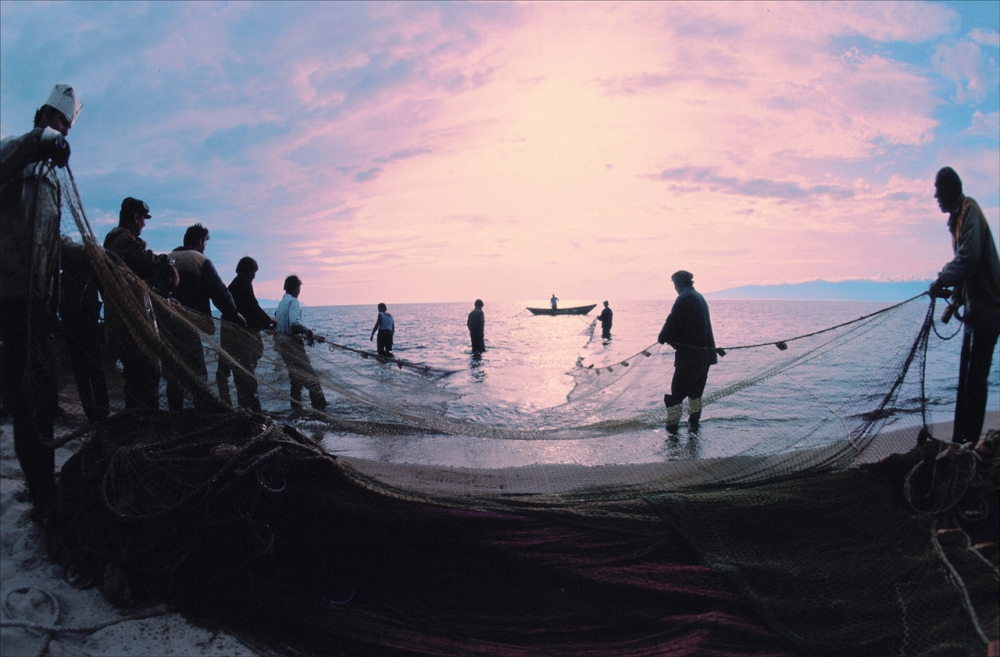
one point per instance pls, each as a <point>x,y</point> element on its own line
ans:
<point>431,152</point>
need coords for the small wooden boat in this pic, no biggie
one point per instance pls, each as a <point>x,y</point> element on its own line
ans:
<point>576,310</point>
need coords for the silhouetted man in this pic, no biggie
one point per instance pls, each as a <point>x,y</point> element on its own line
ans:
<point>973,277</point>
<point>477,328</point>
<point>688,330</point>
<point>30,201</point>
<point>80,316</point>
<point>288,341</point>
<point>140,363</point>
<point>606,318</point>
<point>243,344</point>
<point>199,284</point>
<point>385,325</point>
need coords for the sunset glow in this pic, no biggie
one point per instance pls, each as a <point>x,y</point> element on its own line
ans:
<point>443,152</point>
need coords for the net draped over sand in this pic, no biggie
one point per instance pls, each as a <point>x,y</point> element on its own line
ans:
<point>580,529</point>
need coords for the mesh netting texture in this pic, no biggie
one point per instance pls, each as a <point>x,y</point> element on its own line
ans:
<point>583,528</point>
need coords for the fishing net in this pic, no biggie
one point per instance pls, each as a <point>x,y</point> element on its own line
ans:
<point>401,515</point>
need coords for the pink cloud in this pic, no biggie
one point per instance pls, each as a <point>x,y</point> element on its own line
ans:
<point>428,152</point>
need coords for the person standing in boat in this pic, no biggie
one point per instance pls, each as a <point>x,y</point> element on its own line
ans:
<point>289,341</point>
<point>555,302</point>
<point>971,279</point>
<point>385,325</point>
<point>606,318</point>
<point>688,330</point>
<point>246,345</point>
<point>477,328</point>
<point>30,213</point>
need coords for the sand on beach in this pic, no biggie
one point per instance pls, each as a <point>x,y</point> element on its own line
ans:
<point>67,620</point>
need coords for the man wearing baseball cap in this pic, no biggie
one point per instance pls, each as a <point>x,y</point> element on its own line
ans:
<point>140,367</point>
<point>30,200</point>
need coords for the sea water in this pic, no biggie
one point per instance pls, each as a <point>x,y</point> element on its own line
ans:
<point>526,371</point>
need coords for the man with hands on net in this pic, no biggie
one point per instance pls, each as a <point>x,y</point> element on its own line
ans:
<point>30,202</point>
<point>972,280</point>
<point>140,364</point>
<point>288,341</point>
<point>688,330</point>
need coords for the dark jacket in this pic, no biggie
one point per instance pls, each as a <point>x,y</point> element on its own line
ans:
<point>200,283</point>
<point>30,202</point>
<point>688,329</point>
<point>476,321</point>
<point>975,270</point>
<point>150,267</point>
<point>79,302</point>
<point>606,317</point>
<point>247,305</point>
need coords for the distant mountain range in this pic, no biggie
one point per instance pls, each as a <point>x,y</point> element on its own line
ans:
<point>859,290</point>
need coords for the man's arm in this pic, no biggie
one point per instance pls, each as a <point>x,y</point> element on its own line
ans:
<point>147,265</point>
<point>219,293</point>
<point>249,307</point>
<point>967,251</point>
<point>673,327</point>
<point>39,144</point>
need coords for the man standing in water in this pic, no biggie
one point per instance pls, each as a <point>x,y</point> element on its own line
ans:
<point>386,327</point>
<point>477,328</point>
<point>688,330</point>
<point>606,317</point>
<point>288,341</point>
<point>971,279</point>
<point>30,202</point>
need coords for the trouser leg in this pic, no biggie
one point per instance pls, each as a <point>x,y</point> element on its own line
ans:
<point>688,383</point>
<point>191,355</point>
<point>88,370</point>
<point>31,390</point>
<point>201,395</point>
<point>222,381</point>
<point>384,342</point>
<point>246,390</point>
<point>675,399</point>
<point>289,348</point>
<point>310,380</point>
<point>699,377</point>
<point>98,383</point>
<point>142,379</point>
<point>246,382</point>
<point>978,347</point>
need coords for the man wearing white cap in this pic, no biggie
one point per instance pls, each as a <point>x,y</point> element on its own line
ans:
<point>30,200</point>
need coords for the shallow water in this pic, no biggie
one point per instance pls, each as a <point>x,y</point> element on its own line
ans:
<point>523,380</point>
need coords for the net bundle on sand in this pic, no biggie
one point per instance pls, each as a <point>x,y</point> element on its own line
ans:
<point>235,519</point>
<point>778,532</point>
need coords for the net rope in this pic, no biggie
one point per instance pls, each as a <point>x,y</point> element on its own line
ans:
<point>228,495</point>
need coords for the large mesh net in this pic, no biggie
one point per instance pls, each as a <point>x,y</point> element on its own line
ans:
<point>406,516</point>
